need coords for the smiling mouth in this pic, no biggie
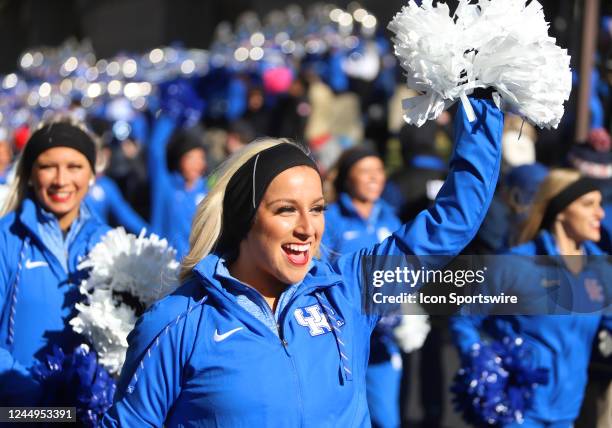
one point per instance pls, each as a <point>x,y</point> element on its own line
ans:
<point>60,196</point>
<point>297,254</point>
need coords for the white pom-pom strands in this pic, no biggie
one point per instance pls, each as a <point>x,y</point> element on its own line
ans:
<point>146,268</point>
<point>123,266</point>
<point>499,44</point>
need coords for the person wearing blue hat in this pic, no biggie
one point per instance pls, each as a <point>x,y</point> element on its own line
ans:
<point>509,208</point>
<point>262,332</point>
<point>519,187</point>
<point>45,231</point>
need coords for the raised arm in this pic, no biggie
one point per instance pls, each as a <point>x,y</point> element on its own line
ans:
<point>121,209</point>
<point>158,169</point>
<point>462,202</point>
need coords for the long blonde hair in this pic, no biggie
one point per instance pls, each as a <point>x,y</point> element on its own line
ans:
<point>18,189</point>
<point>207,223</point>
<point>557,180</point>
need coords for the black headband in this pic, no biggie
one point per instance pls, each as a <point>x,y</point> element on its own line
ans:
<point>347,160</point>
<point>180,144</point>
<point>568,195</point>
<point>248,185</point>
<point>58,135</point>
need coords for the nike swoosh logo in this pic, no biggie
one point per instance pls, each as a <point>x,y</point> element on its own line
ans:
<point>29,264</point>
<point>221,337</point>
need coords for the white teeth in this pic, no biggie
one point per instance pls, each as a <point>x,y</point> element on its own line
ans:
<point>298,247</point>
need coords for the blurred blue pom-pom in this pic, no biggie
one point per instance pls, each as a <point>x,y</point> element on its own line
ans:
<point>180,100</point>
<point>76,380</point>
<point>495,385</point>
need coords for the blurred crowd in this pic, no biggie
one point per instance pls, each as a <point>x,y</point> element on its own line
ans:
<point>326,78</point>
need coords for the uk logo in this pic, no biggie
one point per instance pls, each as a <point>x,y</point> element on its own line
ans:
<point>594,290</point>
<point>314,318</point>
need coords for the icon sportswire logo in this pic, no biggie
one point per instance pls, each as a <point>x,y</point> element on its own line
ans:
<point>221,337</point>
<point>29,264</point>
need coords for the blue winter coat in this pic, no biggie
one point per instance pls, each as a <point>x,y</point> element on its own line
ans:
<point>198,358</point>
<point>105,198</point>
<point>37,296</point>
<point>346,231</point>
<point>560,343</point>
<point>173,206</point>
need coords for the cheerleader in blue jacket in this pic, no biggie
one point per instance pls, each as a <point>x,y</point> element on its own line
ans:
<point>45,231</point>
<point>360,219</point>
<point>565,219</point>
<point>261,333</point>
<point>176,169</point>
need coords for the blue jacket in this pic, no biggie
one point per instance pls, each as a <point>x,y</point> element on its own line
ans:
<point>560,343</point>
<point>198,358</point>
<point>38,291</point>
<point>346,231</point>
<point>105,199</point>
<point>172,206</point>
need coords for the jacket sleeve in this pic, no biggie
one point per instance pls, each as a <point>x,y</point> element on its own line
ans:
<point>465,332</point>
<point>462,202</point>
<point>158,169</point>
<point>155,368</point>
<point>17,386</point>
<point>122,210</point>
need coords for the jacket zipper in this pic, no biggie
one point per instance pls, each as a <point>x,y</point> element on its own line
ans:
<point>285,345</point>
<point>298,386</point>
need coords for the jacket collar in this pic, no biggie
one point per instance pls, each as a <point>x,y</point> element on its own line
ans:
<point>179,182</point>
<point>320,276</point>
<point>31,215</point>
<point>546,244</point>
<point>346,204</point>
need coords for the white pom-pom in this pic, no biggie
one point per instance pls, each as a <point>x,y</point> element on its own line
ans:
<point>412,329</point>
<point>144,268</point>
<point>426,46</point>
<point>106,324</point>
<point>605,343</point>
<point>502,44</point>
